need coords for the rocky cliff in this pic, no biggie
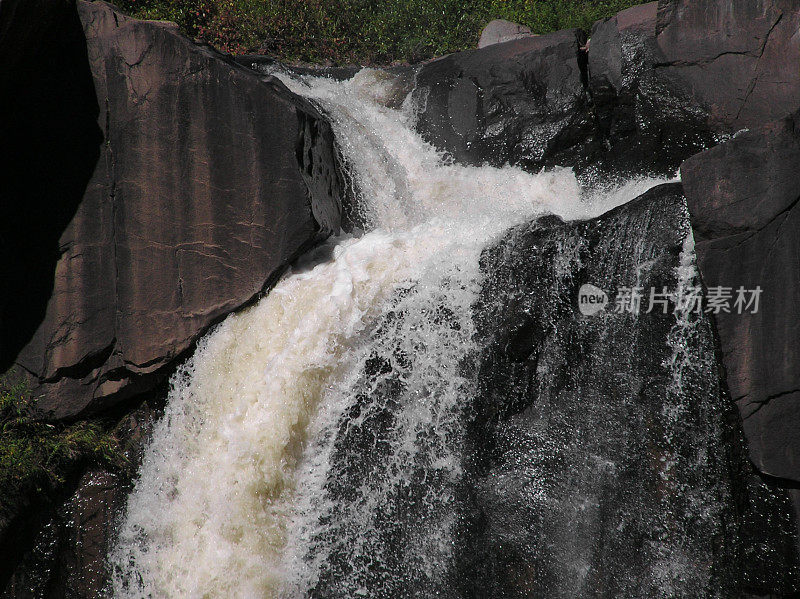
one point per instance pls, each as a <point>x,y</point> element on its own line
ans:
<point>153,186</point>
<point>652,87</point>
<point>608,460</point>
<point>205,180</point>
<point>163,186</point>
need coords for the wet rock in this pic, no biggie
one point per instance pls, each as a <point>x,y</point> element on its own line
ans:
<point>209,180</point>
<point>606,459</point>
<point>671,78</point>
<point>58,547</point>
<point>657,83</point>
<point>499,31</point>
<point>743,197</point>
<point>68,556</point>
<point>645,123</point>
<point>521,102</point>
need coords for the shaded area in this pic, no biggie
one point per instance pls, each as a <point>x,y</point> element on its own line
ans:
<point>49,131</point>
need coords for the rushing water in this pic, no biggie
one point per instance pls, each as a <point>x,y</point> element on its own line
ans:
<point>363,349</point>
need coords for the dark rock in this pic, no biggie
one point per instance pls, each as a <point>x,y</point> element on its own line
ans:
<point>68,556</point>
<point>210,179</point>
<point>521,102</point>
<point>743,196</point>
<point>60,544</point>
<point>607,461</point>
<point>646,125</point>
<point>51,142</point>
<point>664,80</point>
<point>499,31</point>
<point>736,59</point>
<point>670,78</point>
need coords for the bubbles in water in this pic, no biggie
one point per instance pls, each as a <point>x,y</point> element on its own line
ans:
<point>240,465</point>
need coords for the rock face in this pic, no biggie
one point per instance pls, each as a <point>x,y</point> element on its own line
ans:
<point>606,460</point>
<point>51,145</point>
<point>68,556</point>
<point>738,60</point>
<point>743,196</point>
<point>522,102</point>
<point>499,31</point>
<point>645,123</point>
<point>659,83</point>
<point>209,180</point>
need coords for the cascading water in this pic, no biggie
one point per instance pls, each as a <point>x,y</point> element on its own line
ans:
<point>314,444</point>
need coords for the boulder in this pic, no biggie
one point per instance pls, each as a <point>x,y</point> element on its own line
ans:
<point>521,102</point>
<point>604,458</point>
<point>743,197</point>
<point>671,78</point>
<point>655,84</point>
<point>736,59</point>
<point>500,30</point>
<point>645,124</point>
<point>208,180</point>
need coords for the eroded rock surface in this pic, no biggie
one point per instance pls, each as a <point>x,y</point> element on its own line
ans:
<point>743,196</point>
<point>605,458</point>
<point>209,180</point>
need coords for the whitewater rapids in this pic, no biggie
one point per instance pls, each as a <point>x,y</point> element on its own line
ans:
<point>230,500</point>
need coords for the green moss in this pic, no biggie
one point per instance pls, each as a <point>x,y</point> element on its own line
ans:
<point>362,31</point>
<point>37,456</point>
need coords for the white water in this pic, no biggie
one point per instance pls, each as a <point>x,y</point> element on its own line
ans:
<point>231,491</point>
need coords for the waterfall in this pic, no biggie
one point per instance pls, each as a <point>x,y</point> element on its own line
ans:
<point>314,443</point>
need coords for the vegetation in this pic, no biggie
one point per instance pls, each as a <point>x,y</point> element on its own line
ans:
<point>35,455</point>
<point>362,31</point>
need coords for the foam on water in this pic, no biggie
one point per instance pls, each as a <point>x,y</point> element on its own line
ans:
<point>231,491</point>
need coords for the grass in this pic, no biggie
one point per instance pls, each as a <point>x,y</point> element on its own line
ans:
<point>362,31</point>
<point>36,456</point>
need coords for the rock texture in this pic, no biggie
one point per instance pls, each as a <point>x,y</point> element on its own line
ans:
<point>499,31</point>
<point>522,102</point>
<point>644,122</point>
<point>736,59</point>
<point>605,459</point>
<point>743,196</point>
<point>209,180</point>
<point>658,83</point>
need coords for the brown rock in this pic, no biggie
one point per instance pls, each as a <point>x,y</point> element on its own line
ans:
<point>743,196</point>
<point>210,179</point>
<point>738,59</point>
